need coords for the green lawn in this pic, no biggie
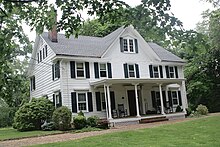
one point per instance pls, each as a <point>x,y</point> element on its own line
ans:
<point>200,132</point>
<point>10,133</point>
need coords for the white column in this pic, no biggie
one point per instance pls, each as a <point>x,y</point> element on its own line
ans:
<point>106,104</point>
<point>183,95</point>
<point>161,100</point>
<point>136,96</point>
<point>109,103</point>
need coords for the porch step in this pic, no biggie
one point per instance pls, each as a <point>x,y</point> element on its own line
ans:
<point>154,119</point>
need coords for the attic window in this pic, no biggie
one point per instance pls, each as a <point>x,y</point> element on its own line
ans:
<point>128,45</point>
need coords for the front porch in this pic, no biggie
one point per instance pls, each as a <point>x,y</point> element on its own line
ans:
<point>137,120</point>
<point>134,99</point>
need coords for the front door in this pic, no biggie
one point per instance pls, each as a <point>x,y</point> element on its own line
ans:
<point>132,103</point>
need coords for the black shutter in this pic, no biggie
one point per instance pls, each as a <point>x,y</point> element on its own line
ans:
<point>121,44</point>
<point>54,99</point>
<point>136,45</point>
<point>98,101</point>
<point>74,103</point>
<point>53,71</point>
<point>176,72</point>
<point>87,69</point>
<point>112,98</point>
<point>72,69</point>
<point>153,99</point>
<point>33,82</point>
<point>90,104</point>
<point>167,71</point>
<point>126,70</point>
<point>180,98</point>
<point>43,53</point>
<point>58,69</point>
<point>38,60</point>
<point>170,99</point>
<point>96,68</point>
<point>46,50</point>
<point>60,99</point>
<point>161,71</point>
<point>164,99</point>
<point>109,70</point>
<point>40,56</point>
<point>137,71</point>
<point>151,70</point>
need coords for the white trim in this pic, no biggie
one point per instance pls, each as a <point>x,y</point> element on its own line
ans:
<point>135,76</point>
<point>106,69</point>
<point>77,106</point>
<point>84,70</point>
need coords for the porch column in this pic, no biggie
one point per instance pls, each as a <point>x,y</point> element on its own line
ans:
<point>109,103</point>
<point>106,104</point>
<point>136,96</point>
<point>183,95</point>
<point>161,100</point>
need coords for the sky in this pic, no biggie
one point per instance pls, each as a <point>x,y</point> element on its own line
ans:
<point>187,11</point>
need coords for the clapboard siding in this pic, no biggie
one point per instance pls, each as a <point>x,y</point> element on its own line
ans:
<point>43,75</point>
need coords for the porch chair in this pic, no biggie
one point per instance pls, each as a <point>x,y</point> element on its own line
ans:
<point>122,111</point>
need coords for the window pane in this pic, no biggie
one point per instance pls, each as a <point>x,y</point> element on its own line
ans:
<point>131,74</point>
<point>102,66</point>
<point>131,45</point>
<point>175,102</point>
<point>57,99</point>
<point>82,106</point>
<point>156,75</point>
<point>125,44</point>
<point>171,69</point>
<point>103,106</point>
<point>171,75</point>
<point>79,65</point>
<point>80,73</point>
<point>131,67</point>
<point>155,69</point>
<point>81,97</point>
<point>174,95</point>
<point>103,74</point>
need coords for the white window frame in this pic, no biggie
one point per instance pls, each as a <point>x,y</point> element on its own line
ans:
<point>103,101</point>
<point>57,98</point>
<point>84,70</point>
<point>177,98</point>
<point>77,95</point>
<point>128,45</point>
<point>134,71</point>
<point>32,84</point>
<point>155,72</point>
<point>54,71</point>
<point>174,74</point>
<point>106,70</point>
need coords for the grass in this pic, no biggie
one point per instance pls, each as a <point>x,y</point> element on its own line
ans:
<point>199,132</point>
<point>10,133</point>
<point>88,129</point>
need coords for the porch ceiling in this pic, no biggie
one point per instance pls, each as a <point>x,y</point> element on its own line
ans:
<point>136,81</point>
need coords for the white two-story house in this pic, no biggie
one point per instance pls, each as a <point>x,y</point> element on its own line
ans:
<point>113,76</point>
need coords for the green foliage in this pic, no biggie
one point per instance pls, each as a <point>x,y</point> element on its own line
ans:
<point>178,109</point>
<point>79,121</point>
<point>188,111</point>
<point>31,115</point>
<point>81,113</point>
<point>62,118</point>
<point>201,109</point>
<point>48,126</point>
<point>92,121</point>
<point>7,116</point>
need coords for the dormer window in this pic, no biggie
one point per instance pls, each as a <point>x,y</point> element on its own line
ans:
<point>128,45</point>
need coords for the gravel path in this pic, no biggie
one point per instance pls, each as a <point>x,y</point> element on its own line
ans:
<point>70,136</point>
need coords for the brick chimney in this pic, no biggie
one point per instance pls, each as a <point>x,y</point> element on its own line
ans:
<point>52,34</point>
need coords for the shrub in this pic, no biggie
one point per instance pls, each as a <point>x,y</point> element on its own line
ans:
<point>201,109</point>
<point>48,126</point>
<point>79,122</point>
<point>31,115</point>
<point>92,121</point>
<point>81,113</point>
<point>103,124</point>
<point>188,111</point>
<point>178,109</point>
<point>62,118</point>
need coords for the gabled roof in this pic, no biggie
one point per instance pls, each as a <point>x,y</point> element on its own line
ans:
<point>164,54</point>
<point>88,46</point>
<point>85,46</point>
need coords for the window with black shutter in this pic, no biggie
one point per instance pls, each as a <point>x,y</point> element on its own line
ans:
<point>45,50</point>
<point>128,45</point>
<point>96,69</point>
<point>72,69</point>
<point>74,102</point>
<point>109,70</point>
<point>98,101</point>
<point>90,104</point>
<point>57,99</point>
<point>56,70</point>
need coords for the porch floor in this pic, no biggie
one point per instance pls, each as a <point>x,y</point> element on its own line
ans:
<point>170,116</point>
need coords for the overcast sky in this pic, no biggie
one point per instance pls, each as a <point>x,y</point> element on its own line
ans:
<point>188,11</point>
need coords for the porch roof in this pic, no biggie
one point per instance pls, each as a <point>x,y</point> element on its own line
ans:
<point>137,81</point>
